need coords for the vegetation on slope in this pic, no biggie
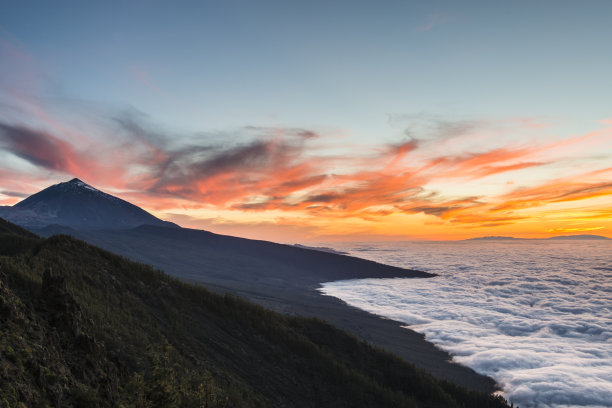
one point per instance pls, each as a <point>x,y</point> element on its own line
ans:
<point>82,327</point>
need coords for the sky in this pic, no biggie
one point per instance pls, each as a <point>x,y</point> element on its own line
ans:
<point>317,121</point>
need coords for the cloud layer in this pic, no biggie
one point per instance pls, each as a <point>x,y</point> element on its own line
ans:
<point>533,315</point>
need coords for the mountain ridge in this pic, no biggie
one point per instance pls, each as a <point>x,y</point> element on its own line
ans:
<point>83,327</point>
<point>280,277</point>
<point>78,205</point>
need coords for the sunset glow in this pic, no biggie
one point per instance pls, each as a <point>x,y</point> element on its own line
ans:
<point>431,172</point>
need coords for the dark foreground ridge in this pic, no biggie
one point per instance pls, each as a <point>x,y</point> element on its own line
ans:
<point>283,278</point>
<point>82,327</point>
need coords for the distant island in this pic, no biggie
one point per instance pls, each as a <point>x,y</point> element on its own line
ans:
<point>584,236</point>
<point>560,237</point>
<point>493,238</point>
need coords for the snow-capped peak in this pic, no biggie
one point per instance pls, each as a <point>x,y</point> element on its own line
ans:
<point>76,204</point>
<point>78,183</point>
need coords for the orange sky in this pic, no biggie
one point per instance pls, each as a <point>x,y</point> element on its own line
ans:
<point>504,177</point>
<point>377,176</point>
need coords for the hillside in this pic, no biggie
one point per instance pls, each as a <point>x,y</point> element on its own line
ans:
<point>83,327</point>
<point>283,278</point>
<point>210,258</point>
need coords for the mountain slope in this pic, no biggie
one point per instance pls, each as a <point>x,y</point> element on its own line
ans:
<point>80,326</point>
<point>211,258</point>
<point>78,205</point>
<point>280,277</point>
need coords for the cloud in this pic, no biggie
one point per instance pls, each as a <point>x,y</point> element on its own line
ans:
<point>39,148</point>
<point>538,322</point>
<point>95,160</point>
<point>397,184</point>
<point>425,126</point>
<point>434,21</point>
<point>554,192</point>
<point>143,78</point>
<point>478,165</point>
<point>577,229</point>
<point>293,170</point>
<point>14,194</point>
<point>443,208</point>
<point>437,170</point>
<point>510,208</point>
<point>261,169</point>
<point>270,164</point>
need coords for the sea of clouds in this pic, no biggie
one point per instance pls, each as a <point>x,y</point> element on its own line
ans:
<point>534,315</point>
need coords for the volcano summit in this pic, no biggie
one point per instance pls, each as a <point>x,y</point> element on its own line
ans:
<point>78,205</point>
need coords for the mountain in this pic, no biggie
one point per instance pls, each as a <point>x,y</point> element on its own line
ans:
<point>283,278</point>
<point>280,277</point>
<point>78,205</point>
<point>580,237</point>
<point>323,249</point>
<point>231,262</point>
<point>82,327</point>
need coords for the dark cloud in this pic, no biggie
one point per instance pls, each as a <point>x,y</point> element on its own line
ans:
<point>39,148</point>
<point>431,210</point>
<point>252,206</point>
<point>193,164</point>
<point>585,191</point>
<point>305,182</point>
<point>404,147</point>
<point>14,194</point>
<point>220,167</point>
<point>252,155</point>
<point>322,198</point>
<point>290,132</point>
<point>425,126</point>
<point>434,205</point>
<point>444,129</point>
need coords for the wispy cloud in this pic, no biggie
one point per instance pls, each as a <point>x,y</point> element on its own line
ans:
<point>561,191</point>
<point>434,21</point>
<point>143,78</point>
<point>573,230</point>
<point>39,148</point>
